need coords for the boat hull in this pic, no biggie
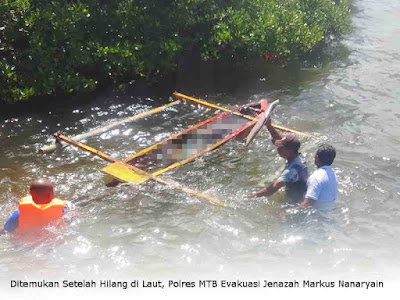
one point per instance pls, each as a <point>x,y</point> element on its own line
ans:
<point>186,146</point>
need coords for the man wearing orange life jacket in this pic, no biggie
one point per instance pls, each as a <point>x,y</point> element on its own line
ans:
<point>37,209</point>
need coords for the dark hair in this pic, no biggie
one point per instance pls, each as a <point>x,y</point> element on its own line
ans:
<point>326,154</point>
<point>41,185</point>
<point>294,147</point>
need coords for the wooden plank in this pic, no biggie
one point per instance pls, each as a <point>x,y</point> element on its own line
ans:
<point>53,147</point>
<point>121,172</point>
<point>108,158</point>
<point>211,105</point>
<point>261,122</point>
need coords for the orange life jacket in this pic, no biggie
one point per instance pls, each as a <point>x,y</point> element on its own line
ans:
<point>33,215</point>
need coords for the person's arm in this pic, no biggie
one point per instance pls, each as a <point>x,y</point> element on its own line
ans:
<point>287,176</point>
<point>269,190</point>
<point>12,222</point>
<point>313,191</point>
<point>274,133</point>
<point>306,202</point>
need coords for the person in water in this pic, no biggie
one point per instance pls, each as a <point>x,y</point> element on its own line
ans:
<point>294,176</point>
<point>322,184</point>
<point>37,209</point>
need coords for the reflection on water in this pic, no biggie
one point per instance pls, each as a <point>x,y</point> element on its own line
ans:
<point>153,231</point>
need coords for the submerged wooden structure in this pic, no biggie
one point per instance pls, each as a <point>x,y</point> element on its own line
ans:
<point>180,148</point>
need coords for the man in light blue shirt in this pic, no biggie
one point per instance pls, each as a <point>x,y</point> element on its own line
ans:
<point>322,184</point>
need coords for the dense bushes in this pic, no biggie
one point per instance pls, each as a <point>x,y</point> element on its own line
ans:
<point>65,46</point>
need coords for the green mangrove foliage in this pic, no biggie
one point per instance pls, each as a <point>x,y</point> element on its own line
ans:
<point>72,46</point>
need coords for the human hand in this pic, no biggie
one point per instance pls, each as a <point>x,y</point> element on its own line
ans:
<point>251,196</point>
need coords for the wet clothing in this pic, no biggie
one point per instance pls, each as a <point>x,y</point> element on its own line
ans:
<point>29,214</point>
<point>322,187</point>
<point>12,222</point>
<point>295,177</point>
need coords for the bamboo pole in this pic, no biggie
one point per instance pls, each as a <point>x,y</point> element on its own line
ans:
<point>204,103</point>
<point>108,158</point>
<point>59,144</point>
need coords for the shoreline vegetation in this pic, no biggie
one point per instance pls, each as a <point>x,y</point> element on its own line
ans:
<point>66,48</point>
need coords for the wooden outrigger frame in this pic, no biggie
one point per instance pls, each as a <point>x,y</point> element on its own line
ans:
<point>125,172</point>
<point>137,171</point>
<point>59,144</point>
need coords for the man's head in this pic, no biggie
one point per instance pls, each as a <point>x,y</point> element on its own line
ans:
<point>325,155</point>
<point>41,191</point>
<point>288,146</point>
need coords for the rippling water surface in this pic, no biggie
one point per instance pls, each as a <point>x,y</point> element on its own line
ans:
<point>152,231</point>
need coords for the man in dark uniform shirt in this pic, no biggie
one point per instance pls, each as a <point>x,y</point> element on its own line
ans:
<point>294,176</point>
